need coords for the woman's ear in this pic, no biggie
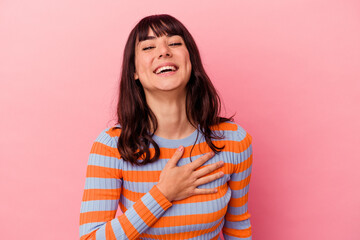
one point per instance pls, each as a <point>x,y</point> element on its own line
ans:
<point>136,77</point>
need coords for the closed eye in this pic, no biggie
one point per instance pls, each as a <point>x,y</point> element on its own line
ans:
<point>147,48</point>
<point>172,44</point>
<point>175,44</point>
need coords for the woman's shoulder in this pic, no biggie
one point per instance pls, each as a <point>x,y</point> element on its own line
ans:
<point>109,135</point>
<point>238,138</point>
<point>232,128</point>
<point>114,131</point>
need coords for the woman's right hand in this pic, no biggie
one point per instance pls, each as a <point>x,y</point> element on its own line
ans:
<point>177,183</point>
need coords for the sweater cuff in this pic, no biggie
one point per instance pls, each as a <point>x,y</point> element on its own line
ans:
<point>160,198</point>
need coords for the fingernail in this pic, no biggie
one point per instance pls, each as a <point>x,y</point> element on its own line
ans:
<point>180,148</point>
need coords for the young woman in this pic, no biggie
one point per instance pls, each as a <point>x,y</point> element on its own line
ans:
<point>176,169</point>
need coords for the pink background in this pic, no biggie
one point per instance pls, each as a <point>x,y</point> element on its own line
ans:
<point>289,69</point>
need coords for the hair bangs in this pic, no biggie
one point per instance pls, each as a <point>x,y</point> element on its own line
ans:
<point>160,25</point>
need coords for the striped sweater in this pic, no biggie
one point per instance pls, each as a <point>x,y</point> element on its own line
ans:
<point>146,212</point>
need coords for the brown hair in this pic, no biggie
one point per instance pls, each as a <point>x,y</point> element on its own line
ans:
<point>203,104</point>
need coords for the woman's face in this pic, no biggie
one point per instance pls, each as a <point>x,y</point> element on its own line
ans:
<point>162,51</point>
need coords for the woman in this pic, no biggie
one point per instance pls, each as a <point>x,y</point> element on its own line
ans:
<point>175,168</point>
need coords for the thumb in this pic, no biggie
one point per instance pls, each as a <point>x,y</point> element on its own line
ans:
<point>176,157</point>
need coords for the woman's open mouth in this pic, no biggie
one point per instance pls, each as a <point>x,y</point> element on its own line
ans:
<point>166,71</point>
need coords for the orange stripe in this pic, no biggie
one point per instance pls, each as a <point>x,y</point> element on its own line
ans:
<point>153,176</point>
<point>135,196</point>
<point>224,126</point>
<point>160,198</point>
<point>172,221</point>
<point>109,232</point>
<point>243,233</point>
<point>141,176</point>
<point>182,235</point>
<point>244,165</point>
<point>132,196</point>
<point>102,172</point>
<point>89,236</point>
<point>239,202</point>
<point>114,132</point>
<point>127,226</point>
<point>200,148</point>
<point>97,216</point>
<point>237,185</point>
<point>236,218</point>
<point>104,150</point>
<point>146,215</point>
<point>101,194</point>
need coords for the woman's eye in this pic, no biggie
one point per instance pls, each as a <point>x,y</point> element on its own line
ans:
<point>170,45</point>
<point>147,48</point>
<point>175,44</point>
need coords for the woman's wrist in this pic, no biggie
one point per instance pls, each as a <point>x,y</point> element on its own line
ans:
<point>164,192</point>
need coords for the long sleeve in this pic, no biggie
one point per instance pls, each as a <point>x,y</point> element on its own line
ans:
<point>102,195</point>
<point>237,219</point>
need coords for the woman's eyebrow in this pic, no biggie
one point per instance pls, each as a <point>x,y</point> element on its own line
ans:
<point>153,37</point>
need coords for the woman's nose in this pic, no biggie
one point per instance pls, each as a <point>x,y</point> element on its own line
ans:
<point>164,50</point>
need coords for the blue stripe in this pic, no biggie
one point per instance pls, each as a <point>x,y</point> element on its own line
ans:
<point>118,231</point>
<point>241,175</point>
<point>89,227</point>
<point>240,193</point>
<point>211,234</point>
<point>136,220</point>
<point>105,138</point>
<point>152,205</point>
<point>139,187</point>
<point>189,209</point>
<point>216,183</point>
<point>184,208</point>
<point>240,225</point>
<point>102,183</point>
<point>104,161</point>
<point>238,210</point>
<point>99,205</point>
<point>161,162</point>
<point>226,156</point>
<point>100,234</point>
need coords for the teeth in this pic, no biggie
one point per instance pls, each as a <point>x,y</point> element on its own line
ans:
<point>164,68</point>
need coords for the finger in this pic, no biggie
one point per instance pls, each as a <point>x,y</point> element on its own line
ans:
<point>201,160</point>
<point>175,157</point>
<point>208,169</point>
<point>208,179</point>
<point>205,191</point>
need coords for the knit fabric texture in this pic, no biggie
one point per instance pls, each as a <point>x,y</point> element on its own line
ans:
<point>113,185</point>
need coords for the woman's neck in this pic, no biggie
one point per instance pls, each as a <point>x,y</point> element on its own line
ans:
<point>170,113</point>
